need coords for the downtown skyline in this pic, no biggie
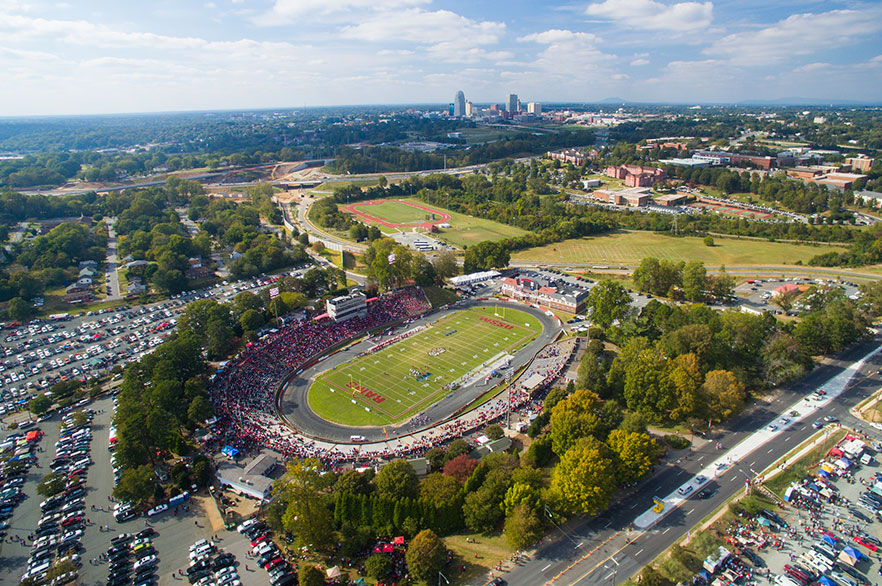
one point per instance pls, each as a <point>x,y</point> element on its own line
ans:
<point>90,57</point>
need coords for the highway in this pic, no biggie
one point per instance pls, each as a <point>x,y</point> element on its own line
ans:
<point>606,549</point>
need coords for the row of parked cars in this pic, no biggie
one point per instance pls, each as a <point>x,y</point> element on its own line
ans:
<point>132,559</point>
<point>58,536</point>
<point>210,567</point>
<point>268,556</point>
<point>17,451</point>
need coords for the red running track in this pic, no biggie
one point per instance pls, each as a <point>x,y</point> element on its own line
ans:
<point>351,209</point>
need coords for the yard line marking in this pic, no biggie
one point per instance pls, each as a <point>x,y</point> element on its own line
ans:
<point>545,568</point>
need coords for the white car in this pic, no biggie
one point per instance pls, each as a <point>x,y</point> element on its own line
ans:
<point>157,509</point>
<point>684,490</point>
<point>144,562</point>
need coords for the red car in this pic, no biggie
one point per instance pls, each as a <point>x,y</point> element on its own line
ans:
<point>72,521</point>
<point>869,545</point>
<point>260,539</point>
<point>273,564</point>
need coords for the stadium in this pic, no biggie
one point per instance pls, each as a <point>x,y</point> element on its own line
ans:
<point>395,379</point>
<point>417,375</point>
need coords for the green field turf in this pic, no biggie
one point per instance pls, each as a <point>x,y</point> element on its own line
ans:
<point>465,230</point>
<point>396,212</point>
<point>387,372</point>
<point>631,247</point>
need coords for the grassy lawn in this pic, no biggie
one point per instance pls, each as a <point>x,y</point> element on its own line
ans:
<point>404,379</point>
<point>629,247</point>
<point>331,185</point>
<point>439,296</point>
<point>478,553</point>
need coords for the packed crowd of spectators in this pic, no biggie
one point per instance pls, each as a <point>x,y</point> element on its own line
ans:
<point>243,392</point>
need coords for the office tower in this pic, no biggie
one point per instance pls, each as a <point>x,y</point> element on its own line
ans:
<point>459,105</point>
<point>534,108</point>
<point>512,103</point>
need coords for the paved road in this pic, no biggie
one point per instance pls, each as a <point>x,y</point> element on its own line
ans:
<point>294,405</point>
<point>112,263</point>
<point>607,536</point>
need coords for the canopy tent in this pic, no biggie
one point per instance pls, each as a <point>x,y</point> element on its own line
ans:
<point>853,552</point>
<point>847,558</point>
<point>843,463</point>
<point>361,582</point>
<point>333,572</point>
<point>398,540</point>
<point>33,436</point>
<point>763,521</point>
<point>230,452</point>
<point>830,540</point>
<point>388,548</point>
<point>827,581</point>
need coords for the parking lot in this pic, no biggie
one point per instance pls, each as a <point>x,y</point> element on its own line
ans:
<point>36,355</point>
<point>759,294</point>
<point>824,531</point>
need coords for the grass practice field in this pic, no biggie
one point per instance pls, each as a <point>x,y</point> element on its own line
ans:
<point>405,378</point>
<point>628,247</point>
<point>464,231</point>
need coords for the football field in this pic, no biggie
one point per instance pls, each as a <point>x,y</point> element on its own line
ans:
<point>405,378</point>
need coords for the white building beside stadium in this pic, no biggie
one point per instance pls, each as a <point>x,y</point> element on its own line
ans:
<point>473,278</point>
<point>346,306</point>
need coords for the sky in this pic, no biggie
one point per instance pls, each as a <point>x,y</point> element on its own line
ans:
<point>102,56</point>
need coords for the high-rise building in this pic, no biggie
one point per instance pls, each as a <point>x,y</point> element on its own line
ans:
<point>459,105</point>
<point>469,109</point>
<point>534,108</point>
<point>512,104</point>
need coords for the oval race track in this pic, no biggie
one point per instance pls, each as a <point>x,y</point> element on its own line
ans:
<point>294,410</point>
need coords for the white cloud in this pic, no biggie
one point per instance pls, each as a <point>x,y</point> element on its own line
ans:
<point>652,15</point>
<point>427,28</point>
<point>284,11</point>
<point>798,34</point>
<point>639,62</point>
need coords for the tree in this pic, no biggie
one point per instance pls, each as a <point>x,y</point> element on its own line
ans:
<point>494,431</point>
<point>658,277</point>
<point>723,393</point>
<point>784,359</point>
<point>610,302</point>
<point>425,555</point>
<point>19,309</point>
<point>635,454</point>
<point>708,240</point>
<point>585,479</point>
<point>440,489</point>
<point>648,387</point>
<point>694,281</point>
<point>520,494</point>
<point>307,510</point>
<point>379,566</point>
<point>397,480</point>
<point>445,264</point>
<point>39,404</point>
<point>484,256</point>
<point>199,410</point>
<point>309,575</point>
<point>523,527</point>
<point>251,320</point>
<point>574,418</point>
<point>458,447</point>
<point>51,484</point>
<point>355,482</point>
<point>137,485</point>
<point>460,467</point>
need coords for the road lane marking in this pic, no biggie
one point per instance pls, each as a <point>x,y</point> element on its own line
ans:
<point>578,545</point>
<point>610,575</point>
<point>634,505</point>
<point>700,459</point>
<point>545,568</point>
<point>639,552</point>
<point>666,530</point>
<point>770,450</point>
<point>690,511</point>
